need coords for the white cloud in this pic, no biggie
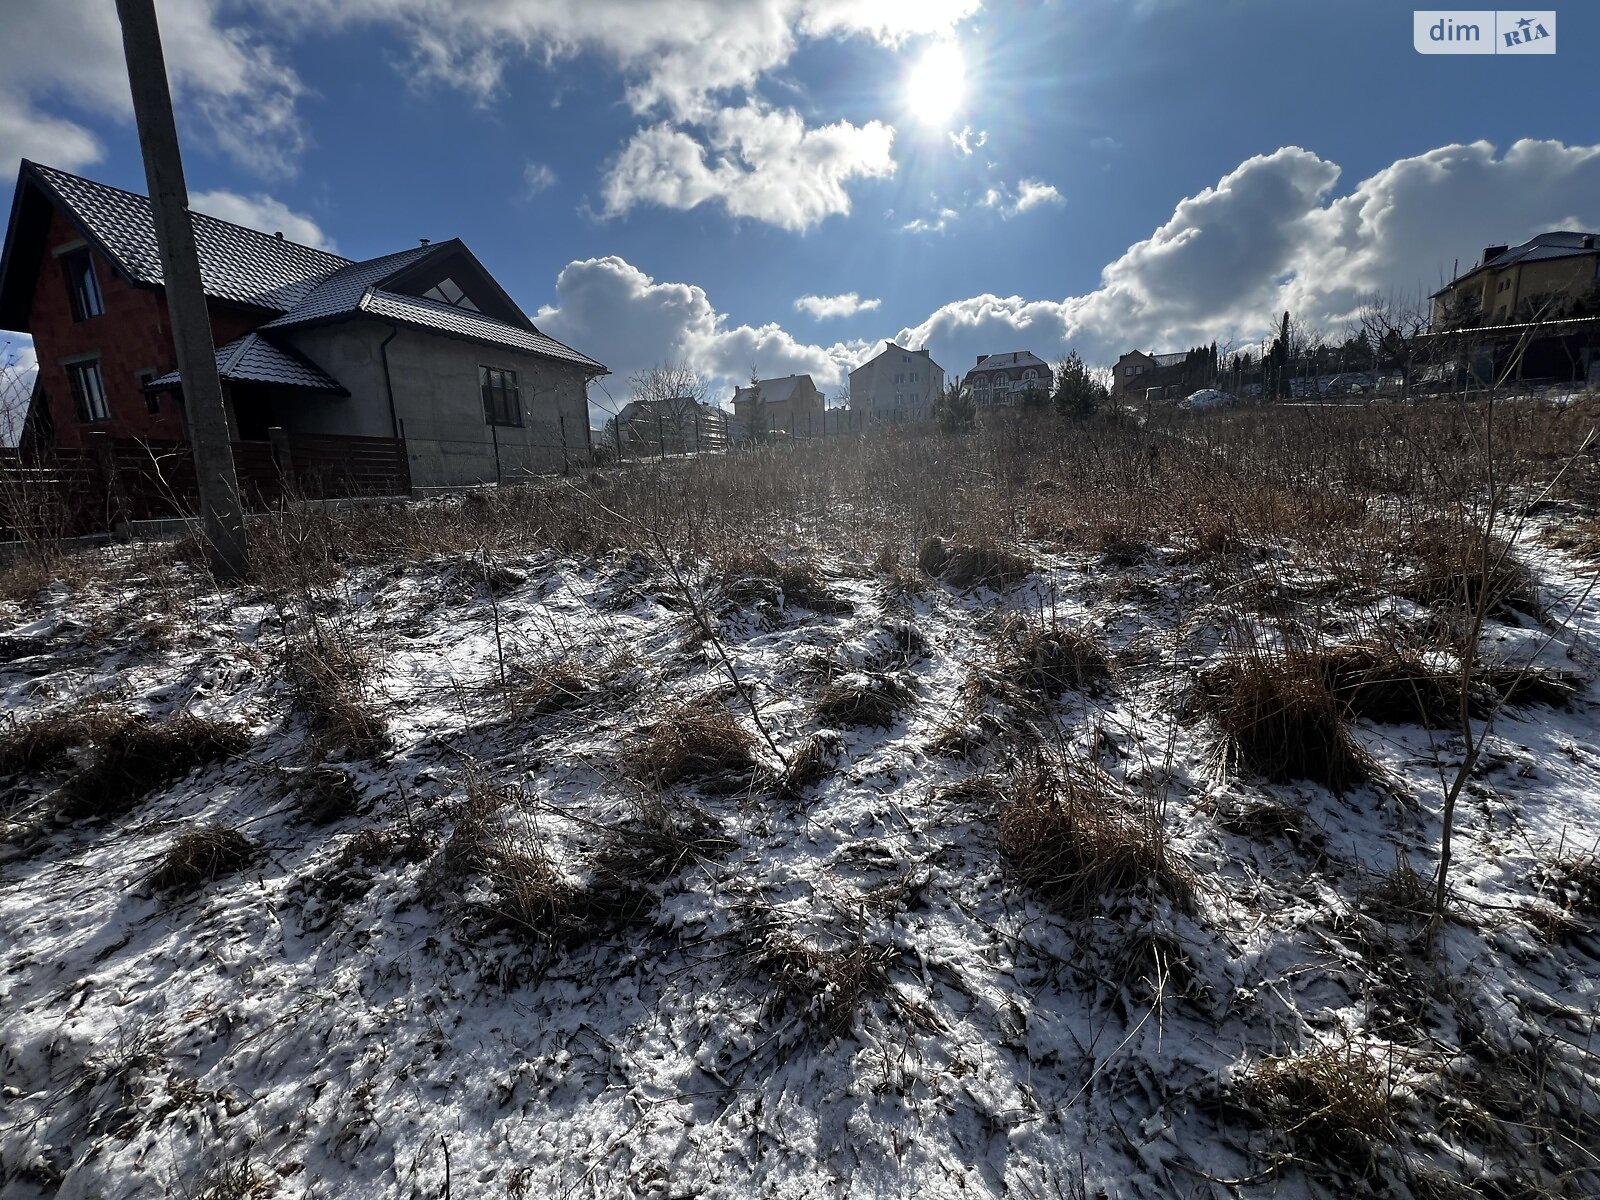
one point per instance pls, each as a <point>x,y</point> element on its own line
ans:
<point>1029,193</point>
<point>264,213</point>
<point>968,141</point>
<point>72,50</point>
<point>536,178</point>
<point>1267,237</point>
<point>610,308</point>
<point>764,163</point>
<point>847,304</point>
<point>935,224</point>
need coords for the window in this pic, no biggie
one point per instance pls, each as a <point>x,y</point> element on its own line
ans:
<point>502,402</point>
<point>448,291</point>
<point>152,400</point>
<point>83,289</point>
<point>88,390</point>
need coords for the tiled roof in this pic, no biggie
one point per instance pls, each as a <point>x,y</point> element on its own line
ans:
<point>773,391</point>
<point>254,359</point>
<point>239,264</point>
<point>304,285</point>
<point>1556,244</point>
<point>1008,360</point>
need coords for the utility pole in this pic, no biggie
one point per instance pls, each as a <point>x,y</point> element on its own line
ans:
<point>221,513</point>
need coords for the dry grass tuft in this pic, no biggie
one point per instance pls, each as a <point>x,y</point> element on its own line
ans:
<point>1046,659</point>
<point>44,743</point>
<point>661,839</point>
<point>1402,895</point>
<point>198,857</point>
<point>1329,1105</point>
<point>564,682</point>
<point>327,676</point>
<point>758,578</point>
<point>969,566</point>
<point>1515,685</point>
<point>808,765</point>
<point>824,987</point>
<point>1386,684</point>
<point>134,756</point>
<point>1580,537</point>
<point>696,742</point>
<point>1264,820</point>
<point>1280,720</point>
<point>1075,838</point>
<point>1572,880</point>
<point>863,698</point>
<point>326,794</point>
<point>1458,568</point>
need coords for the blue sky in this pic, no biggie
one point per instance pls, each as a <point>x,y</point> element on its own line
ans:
<point>661,179</point>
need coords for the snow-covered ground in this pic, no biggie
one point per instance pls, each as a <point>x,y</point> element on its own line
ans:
<point>341,1018</point>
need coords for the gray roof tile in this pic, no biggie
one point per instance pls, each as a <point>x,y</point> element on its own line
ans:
<point>238,264</point>
<point>254,359</point>
<point>460,322</point>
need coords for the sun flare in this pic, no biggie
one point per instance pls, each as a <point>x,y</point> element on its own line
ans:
<point>936,84</point>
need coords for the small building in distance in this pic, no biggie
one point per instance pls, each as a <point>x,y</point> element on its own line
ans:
<point>895,386</point>
<point>1137,372</point>
<point>682,425</point>
<point>790,404</point>
<point>998,380</point>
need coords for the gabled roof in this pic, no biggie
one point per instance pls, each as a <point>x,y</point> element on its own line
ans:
<point>1009,360</point>
<point>774,391</point>
<point>253,359</point>
<point>238,264</point>
<point>304,285</point>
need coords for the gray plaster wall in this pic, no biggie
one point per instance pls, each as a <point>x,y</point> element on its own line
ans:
<point>439,404</point>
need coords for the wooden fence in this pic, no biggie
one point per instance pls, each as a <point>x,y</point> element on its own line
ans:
<point>71,492</point>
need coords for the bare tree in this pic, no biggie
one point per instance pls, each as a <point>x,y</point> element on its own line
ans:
<point>1396,328</point>
<point>671,394</point>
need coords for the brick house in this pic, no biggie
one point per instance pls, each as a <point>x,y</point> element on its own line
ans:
<point>1136,372</point>
<point>421,345</point>
<point>998,380</point>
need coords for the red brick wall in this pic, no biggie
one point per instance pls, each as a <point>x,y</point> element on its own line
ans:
<point>131,335</point>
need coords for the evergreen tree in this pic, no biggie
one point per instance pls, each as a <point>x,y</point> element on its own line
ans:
<point>1078,393</point>
<point>954,409</point>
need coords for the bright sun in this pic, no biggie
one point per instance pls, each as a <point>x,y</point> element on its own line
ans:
<point>936,84</point>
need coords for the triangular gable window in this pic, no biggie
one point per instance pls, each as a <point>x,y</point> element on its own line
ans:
<point>448,291</point>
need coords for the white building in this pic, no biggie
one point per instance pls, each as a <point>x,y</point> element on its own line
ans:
<point>897,386</point>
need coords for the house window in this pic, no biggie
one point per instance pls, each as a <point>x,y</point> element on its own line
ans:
<point>152,400</point>
<point>448,291</point>
<point>502,402</point>
<point>88,390</point>
<point>83,289</point>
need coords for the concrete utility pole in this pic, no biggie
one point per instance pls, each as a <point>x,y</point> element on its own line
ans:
<point>221,513</point>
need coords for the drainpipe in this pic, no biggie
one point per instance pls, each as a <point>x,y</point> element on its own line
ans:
<point>388,384</point>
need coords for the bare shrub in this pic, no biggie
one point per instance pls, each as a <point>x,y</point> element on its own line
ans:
<point>1046,658</point>
<point>1331,1105</point>
<point>696,742</point>
<point>202,855</point>
<point>863,698</point>
<point>1077,839</point>
<point>1279,719</point>
<point>135,756</point>
<point>327,676</point>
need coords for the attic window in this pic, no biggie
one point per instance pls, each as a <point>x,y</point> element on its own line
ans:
<point>83,289</point>
<point>447,291</point>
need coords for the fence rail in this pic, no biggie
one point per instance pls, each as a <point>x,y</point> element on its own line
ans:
<point>71,492</point>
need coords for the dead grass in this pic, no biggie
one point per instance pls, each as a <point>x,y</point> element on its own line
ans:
<point>1457,568</point>
<point>1572,880</point>
<point>202,855</point>
<point>1046,658</point>
<point>1266,820</point>
<point>753,577</point>
<point>824,987</point>
<point>38,744</point>
<point>564,682</point>
<point>1077,839</point>
<point>134,756</point>
<point>965,566</point>
<point>696,742</point>
<point>327,676</point>
<point>1279,719</point>
<point>1580,537</point>
<point>326,794</point>
<point>1386,684</point>
<point>658,841</point>
<point>808,765</point>
<point>1333,1105</point>
<point>864,698</point>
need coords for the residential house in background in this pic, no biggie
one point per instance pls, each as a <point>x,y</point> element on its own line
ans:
<point>998,380</point>
<point>895,386</point>
<point>790,404</point>
<point>1136,372</point>
<point>1553,274</point>
<point>679,426</point>
<point>421,345</point>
